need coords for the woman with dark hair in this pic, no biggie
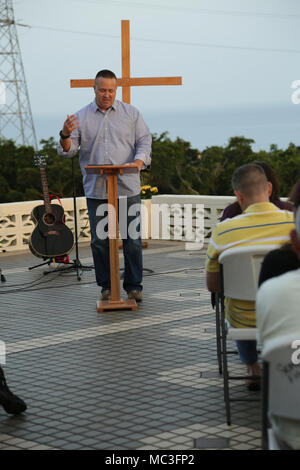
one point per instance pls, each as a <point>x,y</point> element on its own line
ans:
<point>283,259</point>
<point>234,209</point>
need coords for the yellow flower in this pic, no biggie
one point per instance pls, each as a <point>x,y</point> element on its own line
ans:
<point>147,191</point>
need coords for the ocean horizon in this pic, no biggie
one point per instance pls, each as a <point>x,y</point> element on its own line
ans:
<point>279,125</point>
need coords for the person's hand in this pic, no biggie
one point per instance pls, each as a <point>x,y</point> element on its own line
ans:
<point>139,164</point>
<point>70,124</point>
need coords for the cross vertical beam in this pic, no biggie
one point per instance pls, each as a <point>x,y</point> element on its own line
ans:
<point>125,33</point>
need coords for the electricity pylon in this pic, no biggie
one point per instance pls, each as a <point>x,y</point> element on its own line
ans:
<point>15,112</point>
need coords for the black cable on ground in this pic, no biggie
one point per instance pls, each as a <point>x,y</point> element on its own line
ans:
<point>35,286</point>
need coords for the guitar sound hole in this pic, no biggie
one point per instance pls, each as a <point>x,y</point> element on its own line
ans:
<point>49,219</point>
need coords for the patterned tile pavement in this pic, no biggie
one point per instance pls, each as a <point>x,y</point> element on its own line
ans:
<point>117,380</point>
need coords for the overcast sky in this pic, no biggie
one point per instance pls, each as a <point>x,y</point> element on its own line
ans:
<point>237,58</point>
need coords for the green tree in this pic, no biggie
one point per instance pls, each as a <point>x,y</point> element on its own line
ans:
<point>173,166</point>
<point>21,179</point>
<point>177,168</point>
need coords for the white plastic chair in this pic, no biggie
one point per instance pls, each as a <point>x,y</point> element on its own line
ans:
<point>239,274</point>
<point>281,393</point>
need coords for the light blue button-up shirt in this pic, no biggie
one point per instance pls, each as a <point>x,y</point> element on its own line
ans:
<point>116,137</point>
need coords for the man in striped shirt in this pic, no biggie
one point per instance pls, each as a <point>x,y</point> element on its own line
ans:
<point>260,223</point>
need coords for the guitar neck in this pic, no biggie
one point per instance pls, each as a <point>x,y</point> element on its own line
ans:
<point>45,191</point>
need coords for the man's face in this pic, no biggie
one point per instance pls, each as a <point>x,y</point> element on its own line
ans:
<point>105,92</point>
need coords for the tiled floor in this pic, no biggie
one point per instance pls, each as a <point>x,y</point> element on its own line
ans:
<point>145,379</point>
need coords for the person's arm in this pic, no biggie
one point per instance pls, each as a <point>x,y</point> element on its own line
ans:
<point>143,141</point>
<point>139,164</point>
<point>212,282</point>
<point>69,146</point>
<point>212,265</point>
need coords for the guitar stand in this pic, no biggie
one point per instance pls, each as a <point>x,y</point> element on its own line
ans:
<point>41,264</point>
<point>75,265</point>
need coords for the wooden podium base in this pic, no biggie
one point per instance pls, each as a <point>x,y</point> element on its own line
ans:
<point>103,305</point>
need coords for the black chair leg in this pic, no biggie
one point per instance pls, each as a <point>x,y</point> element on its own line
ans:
<point>225,365</point>
<point>226,386</point>
<point>264,406</point>
<point>218,334</point>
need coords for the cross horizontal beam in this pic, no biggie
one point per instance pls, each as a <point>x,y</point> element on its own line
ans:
<point>85,83</point>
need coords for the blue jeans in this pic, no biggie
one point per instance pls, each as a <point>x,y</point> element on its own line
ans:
<point>132,245</point>
<point>247,351</point>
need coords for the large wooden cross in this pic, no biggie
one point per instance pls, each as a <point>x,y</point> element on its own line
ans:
<point>126,82</point>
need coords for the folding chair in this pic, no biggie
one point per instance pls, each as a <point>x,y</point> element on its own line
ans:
<point>239,274</point>
<point>280,393</point>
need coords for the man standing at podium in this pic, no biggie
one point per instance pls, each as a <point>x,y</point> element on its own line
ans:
<point>108,131</point>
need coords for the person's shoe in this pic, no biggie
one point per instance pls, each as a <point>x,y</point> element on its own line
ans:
<point>136,295</point>
<point>105,295</point>
<point>10,402</point>
<point>253,384</point>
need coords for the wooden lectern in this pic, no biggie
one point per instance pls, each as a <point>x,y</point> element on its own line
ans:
<point>112,172</point>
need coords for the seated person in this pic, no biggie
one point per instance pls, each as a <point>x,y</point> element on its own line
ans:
<point>282,259</point>
<point>235,209</point>
<point>278,323</point>
<point>261,223</point>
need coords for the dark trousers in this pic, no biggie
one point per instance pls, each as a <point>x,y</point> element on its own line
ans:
<point>129,212</point>
<point>247,351</point>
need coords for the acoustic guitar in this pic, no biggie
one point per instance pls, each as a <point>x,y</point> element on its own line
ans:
<point>51,237</point>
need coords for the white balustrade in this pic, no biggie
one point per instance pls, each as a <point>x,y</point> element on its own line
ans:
<point>16,224</point>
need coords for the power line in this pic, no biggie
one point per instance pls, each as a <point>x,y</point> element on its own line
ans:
<point>85,33</point>
<point>170,42</point>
